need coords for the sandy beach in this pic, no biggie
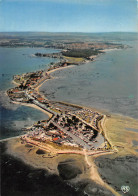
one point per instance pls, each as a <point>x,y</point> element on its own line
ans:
<point>33,106</point>
<point>116,128</point>
<point>27,153</point>
<point>53,70</point>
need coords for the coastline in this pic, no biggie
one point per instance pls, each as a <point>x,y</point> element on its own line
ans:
<point>34,106</point>
<point>29,156</point>
<point>50,164</point>
<point>49,72</point>
<point>105,120</point>
<point>122,139</point>
<point>102,122</point>
<point>72,104</point>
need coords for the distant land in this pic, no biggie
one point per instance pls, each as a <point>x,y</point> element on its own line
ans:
<point>57,40</point>
<point>71,142</point>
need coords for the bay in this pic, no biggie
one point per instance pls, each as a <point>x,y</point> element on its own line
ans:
<point>109,83</point>
<point>17,61</point>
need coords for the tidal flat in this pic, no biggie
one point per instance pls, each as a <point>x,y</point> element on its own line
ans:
<point>120,168</point>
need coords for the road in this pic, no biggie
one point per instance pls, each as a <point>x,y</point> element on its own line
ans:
<point>44,107</point>
<point>74,137</point>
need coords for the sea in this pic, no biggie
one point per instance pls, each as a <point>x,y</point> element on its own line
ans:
<point>14,118</point>
<point>109,83</point>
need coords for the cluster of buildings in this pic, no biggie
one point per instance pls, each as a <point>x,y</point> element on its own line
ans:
<point>25,78</point>
<point>59,65</point>
<point>49,133</point>
<point>27,82</point>
<point>69,125</point>
<point>89,116</point>
<point>17,94</point>
<point>32,94</point>
<point>31,79</point>
<point>82,133</point>
<point>63,129</point>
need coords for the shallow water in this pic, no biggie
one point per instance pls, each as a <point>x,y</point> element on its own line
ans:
<point>108,83</point>
<point>20,60</point>
<point>131,129</point>
<point>14,61</point>
<point>135,143</point>
<point>119,171</point>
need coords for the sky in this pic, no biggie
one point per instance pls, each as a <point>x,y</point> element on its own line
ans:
<point>68,15</point>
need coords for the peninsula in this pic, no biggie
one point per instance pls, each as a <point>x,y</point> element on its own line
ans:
<point>70,127</point>
<point>72,131</point>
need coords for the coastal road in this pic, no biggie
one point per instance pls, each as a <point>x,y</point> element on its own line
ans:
<point>44,107</point>
<point>40,104</point>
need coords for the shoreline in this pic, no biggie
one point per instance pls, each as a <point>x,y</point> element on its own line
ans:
<point>49,72</point>
<point>33,106</point>
<point>69,104</point>
<point>39,85</point>
<point>102,125</point>
<point>14,146</point>
<point>64,102</point>
<point>30,157</point>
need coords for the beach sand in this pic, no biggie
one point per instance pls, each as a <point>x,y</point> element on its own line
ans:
<point>53,70</point>
<point>28,154</point>
<point>46,160</point>
<point>33,106</point>
<point>120,168</point>
<point>116,129</point>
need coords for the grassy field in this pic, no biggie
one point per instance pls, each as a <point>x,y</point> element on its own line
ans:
<point>74,59</point>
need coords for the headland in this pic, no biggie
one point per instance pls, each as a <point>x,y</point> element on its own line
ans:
<point>71,130</point>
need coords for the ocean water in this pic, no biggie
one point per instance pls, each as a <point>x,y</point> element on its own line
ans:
<point>109,83</point>
<point>17,61</point>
